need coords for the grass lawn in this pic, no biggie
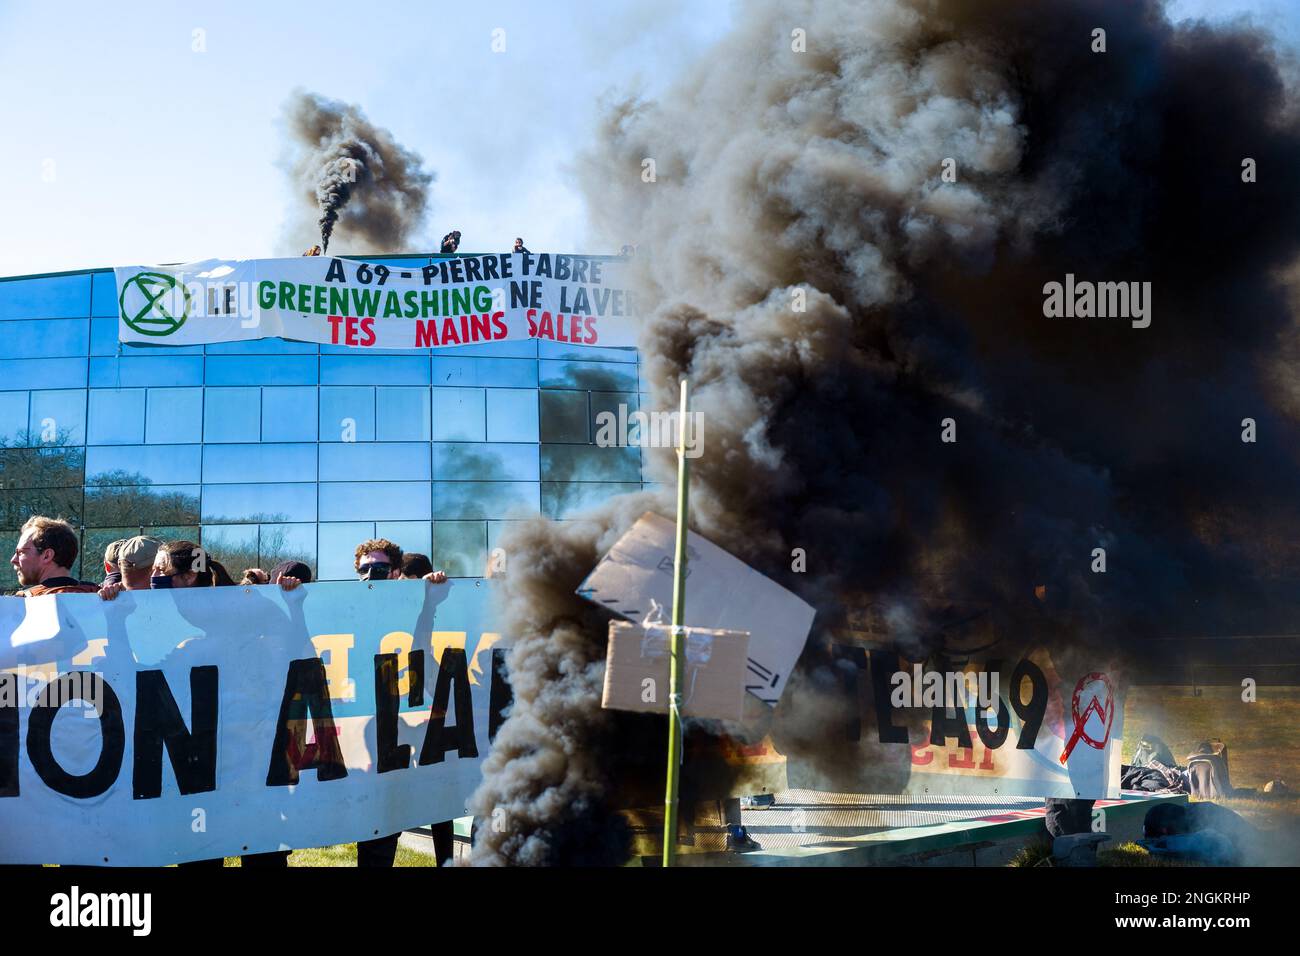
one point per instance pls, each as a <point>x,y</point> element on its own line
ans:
<point>1126,854</point>
<point>1263,738</point>
<point>345,854</point>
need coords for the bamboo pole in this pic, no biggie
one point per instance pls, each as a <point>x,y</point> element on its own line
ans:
<point>676,662</point>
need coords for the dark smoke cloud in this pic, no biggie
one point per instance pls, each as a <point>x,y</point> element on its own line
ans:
<point>819,172</point>
<point>353,173</point>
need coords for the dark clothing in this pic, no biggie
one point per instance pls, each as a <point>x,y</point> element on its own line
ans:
<point>275,859</point>
<point>444,841</point>
<point>1207,777</point>
<point>1068,816</point>
<point>59,586</point>
<point>290,569</point>
<point>381,851</point>
<point>1155,777</point>
<point>112,577</point>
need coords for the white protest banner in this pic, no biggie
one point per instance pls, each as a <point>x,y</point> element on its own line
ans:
<point>205,722</point>
<point>466,300</point>
<point>1022,724</point>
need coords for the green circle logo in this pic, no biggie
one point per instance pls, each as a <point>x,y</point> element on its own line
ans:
<point>149,301</point>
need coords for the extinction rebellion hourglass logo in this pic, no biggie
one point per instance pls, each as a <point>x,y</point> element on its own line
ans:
<point>154,303</point>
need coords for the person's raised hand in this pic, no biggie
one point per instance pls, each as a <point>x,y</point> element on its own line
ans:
<point>109,591</point>
<point>436,577</point>
<point>288,583</point>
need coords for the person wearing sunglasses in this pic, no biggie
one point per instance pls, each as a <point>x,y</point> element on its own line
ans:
<point>378,559</point>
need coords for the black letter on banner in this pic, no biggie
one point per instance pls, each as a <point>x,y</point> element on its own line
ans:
<point>415,671</point>
<point>391,755</point>
<point>1030,713</point>
<point>290,753</point>
<point>105,771</point>
<point>992,739</point>
<point>501,696</point>
<point>158,723</point>
<point>942,726</point>
<point>8,736</point>
<point>883,666</point>
<point>849,660</point>
<point>335,272</point>
<point>438,739</point>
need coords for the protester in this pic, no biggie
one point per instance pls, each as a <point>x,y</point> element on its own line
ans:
<point>415,567</point>
<point>289,575</point>
<point>45,553</point>
<point>220,576</point>
<point>1066,817</point>
<point>181,564</point>
<point>451,242</point>
<point>312,251</point>
<point>519,245</point>
<point>255,576</point>
<point>112,573</point>
<point>135,559</point>
<point>379,559</point>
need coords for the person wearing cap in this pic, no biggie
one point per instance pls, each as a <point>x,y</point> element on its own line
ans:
<point>135,561</point>
<point>112,573</point>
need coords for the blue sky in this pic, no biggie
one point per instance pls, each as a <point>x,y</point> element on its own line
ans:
<point>125,145</point>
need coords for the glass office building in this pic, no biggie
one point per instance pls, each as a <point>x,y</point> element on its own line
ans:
<point>270,449</point>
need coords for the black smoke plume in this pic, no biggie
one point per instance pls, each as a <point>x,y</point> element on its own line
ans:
<point>834,300</point>
<point>354,173</point>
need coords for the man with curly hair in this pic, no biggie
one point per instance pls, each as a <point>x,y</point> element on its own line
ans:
<point>378,559</point>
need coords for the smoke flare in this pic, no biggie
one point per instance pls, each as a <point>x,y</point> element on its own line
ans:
<point>835,301</point>
<point>355,173</point>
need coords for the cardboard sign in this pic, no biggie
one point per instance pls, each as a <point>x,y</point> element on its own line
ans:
<point>637,671</point>
<point>721,592</point>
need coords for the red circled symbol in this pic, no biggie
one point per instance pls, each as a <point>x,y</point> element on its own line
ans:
<point>1107,714</point>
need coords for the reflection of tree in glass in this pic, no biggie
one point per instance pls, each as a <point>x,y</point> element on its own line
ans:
<point>40,478</point>
<point>115,498</point>
<point>268,547</point>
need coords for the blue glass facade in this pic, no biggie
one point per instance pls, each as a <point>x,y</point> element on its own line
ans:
<point>270,449</point>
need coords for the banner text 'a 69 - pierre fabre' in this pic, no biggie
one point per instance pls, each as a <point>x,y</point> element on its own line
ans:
<point>176,725</point>
<point>467,300</point>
